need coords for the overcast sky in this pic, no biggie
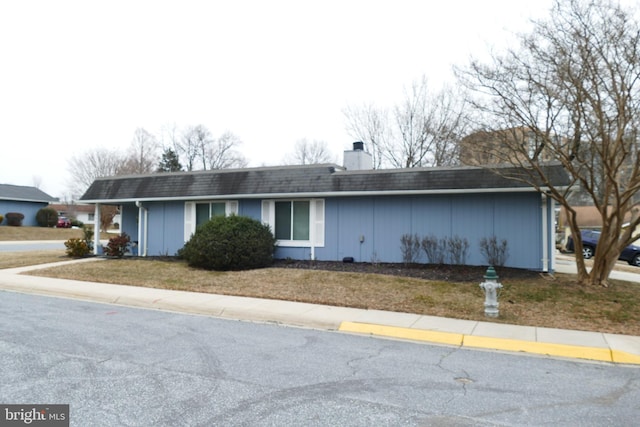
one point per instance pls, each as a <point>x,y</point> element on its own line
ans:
<point>76,75</point>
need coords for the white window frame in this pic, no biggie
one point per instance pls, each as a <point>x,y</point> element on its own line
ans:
<point>230,208</point>
<point>316,222</point>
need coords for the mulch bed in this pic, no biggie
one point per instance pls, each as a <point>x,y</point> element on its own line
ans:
<point>449,273</point>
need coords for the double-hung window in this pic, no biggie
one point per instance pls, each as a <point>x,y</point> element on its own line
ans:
<point>206,211</point>
<point>295,222</point>
<point>197,213</point>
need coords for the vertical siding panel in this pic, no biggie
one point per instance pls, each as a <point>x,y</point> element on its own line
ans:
<point>473,218</point>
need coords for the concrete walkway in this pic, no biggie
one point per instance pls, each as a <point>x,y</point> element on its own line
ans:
<point>464,333</point>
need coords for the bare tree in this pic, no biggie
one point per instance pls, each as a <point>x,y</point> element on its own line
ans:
<point>142,155</point>
<point>570,93</point>
<point>223,152</point>
<point>188,147</point>
<point>86,167</point>
<point>309,152</point>
<point>369,124</point>
<point>423,130</point>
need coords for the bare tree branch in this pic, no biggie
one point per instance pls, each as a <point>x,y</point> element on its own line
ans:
<point>569,94</point>
<point>309,152</point>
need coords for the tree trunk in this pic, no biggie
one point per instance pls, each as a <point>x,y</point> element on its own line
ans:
<point>602,267</point>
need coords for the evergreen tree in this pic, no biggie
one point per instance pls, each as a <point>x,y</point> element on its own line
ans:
<point>170,162</point>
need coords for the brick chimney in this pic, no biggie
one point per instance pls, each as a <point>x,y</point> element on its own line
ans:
<point>358,159</point>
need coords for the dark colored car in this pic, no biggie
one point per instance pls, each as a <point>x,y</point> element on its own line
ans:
<point>590,238</point>
<point>63,222</point>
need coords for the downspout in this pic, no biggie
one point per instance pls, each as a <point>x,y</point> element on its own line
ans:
<point>97,249</point>
<point>142,229</point>
<point>312,230</point>
<point>545,234</point>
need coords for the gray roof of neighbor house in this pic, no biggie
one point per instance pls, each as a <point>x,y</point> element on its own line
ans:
<point>309,181</point>
<point>21,193</point>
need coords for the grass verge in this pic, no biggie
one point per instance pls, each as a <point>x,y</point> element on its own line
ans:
<point>555,302</point>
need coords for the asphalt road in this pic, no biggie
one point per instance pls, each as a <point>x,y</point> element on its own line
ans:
<point>40,245</point>
<point>119,366</point>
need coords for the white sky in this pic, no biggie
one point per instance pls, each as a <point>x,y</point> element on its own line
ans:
<point>76,75</point>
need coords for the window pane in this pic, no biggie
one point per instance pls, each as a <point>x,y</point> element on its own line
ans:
<point>300,220</point>
<point>283,220</point>
<point>202,213</point>
<point>218,209</point>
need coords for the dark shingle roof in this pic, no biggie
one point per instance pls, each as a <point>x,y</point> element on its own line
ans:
<point>305,180</point>
<point>24,194</point>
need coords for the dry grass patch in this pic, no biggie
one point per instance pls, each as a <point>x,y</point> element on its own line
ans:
<point>542,301</point>
<point>38,233</point>
<point>22,259</point>
<point>43,233</point>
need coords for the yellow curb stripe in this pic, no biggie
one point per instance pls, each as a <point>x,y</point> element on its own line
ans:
<point>619,356</point>
<point>472,341</point>
<point>562,350</point>
<point>406,333</point>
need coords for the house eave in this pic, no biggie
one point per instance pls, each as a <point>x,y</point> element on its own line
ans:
<point>14,199</point>
<point>310,195</point>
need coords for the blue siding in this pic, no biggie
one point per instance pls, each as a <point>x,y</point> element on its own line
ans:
<point>129,221</point>
<point>168,217</point>
<point>28,209</point>
<point>369,228</point>
<point>383,220</point>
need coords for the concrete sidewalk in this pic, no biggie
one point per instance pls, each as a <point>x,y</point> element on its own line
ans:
<point>464,333</point>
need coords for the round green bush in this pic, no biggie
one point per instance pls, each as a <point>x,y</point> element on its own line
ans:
<point>230,243</point>
<point>47,217</point>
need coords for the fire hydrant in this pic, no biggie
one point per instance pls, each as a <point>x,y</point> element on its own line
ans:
<point>491,286</point>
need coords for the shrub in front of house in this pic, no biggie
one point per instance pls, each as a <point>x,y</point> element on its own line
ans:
<point>230,243</point>
<point>495,252</point>
<point>77,248</point>
<point>1,218</point>
<point>47,217</point>
<point>117,246</point>
<point>14,218</point>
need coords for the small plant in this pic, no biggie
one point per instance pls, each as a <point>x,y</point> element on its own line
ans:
<point>434,248</point>
<point>14,219</point>
<point>77,248</point>
<point>410,247</point>
<point>87,236</point>
<point>47,217</point>
<point>457,248</point>
<point>375,260</point>
<point>1,218</point>
<point>118,246</point>
<point>494,252</point>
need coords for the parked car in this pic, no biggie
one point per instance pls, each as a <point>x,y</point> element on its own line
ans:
<point>590,238</point>
<point>63,222</point>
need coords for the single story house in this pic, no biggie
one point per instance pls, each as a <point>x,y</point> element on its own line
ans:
<point>329,212</point>
<point>25,200</point>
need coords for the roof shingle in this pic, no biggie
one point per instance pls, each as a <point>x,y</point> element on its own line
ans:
<point>24,194</point>
<point>308,180</point>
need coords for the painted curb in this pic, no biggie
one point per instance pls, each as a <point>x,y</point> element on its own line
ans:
<point>472,341</point>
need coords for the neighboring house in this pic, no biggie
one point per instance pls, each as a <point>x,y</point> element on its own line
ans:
<point>501,146</point>
<point>326,212</point>
<point>25,200</point>
<point>82,213</point>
